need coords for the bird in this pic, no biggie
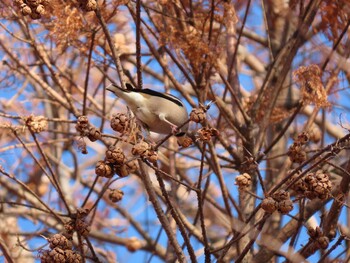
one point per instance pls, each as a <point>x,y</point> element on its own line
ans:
<point>159,112</point>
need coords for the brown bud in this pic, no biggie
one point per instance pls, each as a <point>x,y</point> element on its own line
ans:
<point>269,205</point>
<point>91,5</point>
<point>285,206</point>
<point>36,124</point>
<point>94,134</point>
<point>59,240</point>
<point>115,195</point>
<point>243,181</point>
<point>104,169</point>
<point>40,9</point>
<point>198,115</point>
<point>140,148</point>
<point>115,155</point>
<point>82,227</point>
<point>119,122</point>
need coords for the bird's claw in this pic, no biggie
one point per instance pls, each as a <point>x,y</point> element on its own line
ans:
<point>174,129</point>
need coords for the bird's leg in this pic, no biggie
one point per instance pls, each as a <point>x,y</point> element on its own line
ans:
<point>174,128</point>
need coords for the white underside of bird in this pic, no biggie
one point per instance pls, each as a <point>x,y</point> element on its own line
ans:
<point>159,112</point>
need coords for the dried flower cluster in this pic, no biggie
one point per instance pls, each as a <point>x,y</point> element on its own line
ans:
<point>120,122</point>
<point>60,251</point>
<point>114,163</point>
<point>144,150</point>
<point>279,201</point>
<point>198,115</point>
<point>87,5</point>
<point>115,195</point>
<point>312,89</point>
<point>243,181</point>
<point>205,134</point>
<point>334,15</point>
<point>296,151</point>
<point>313,185</point>
<point>184,141</point>
<point>33,8</point>
<point>86,129</point>
<point>104,169</point>
<point>36,124</point>
<point>318,238</point>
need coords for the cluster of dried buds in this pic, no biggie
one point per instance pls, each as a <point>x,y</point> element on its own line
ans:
<point>114,163</point>
<point>205,134</point>
<point>60,250</point>
<point>33,8</point>
<point>61,247</point>
<point>279,201</point>
<point>296,151</point>
<point>86,129</point>
<point>87,5</point>
<point>120,122</point>
<point>243,181</point>
<point>313,185</point>
<point>320,240</point>
<point>115,195</point>
<point>144,150</point>
<point>198,115</point>
<point>36,124</point>
<point>78,224</point>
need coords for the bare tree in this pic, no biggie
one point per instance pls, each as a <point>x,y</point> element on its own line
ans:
<point>262,175</point>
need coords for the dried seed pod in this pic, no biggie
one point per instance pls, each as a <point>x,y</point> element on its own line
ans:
<point>94,134</point>
<point>296,153</point>
<point>33,3</point>
<point>281,195</point>
<point>300,185</point>
<point>45,256</point>
<point>73,256</point>
<point>40,9</point>
<point>59,240</point>
<point>115,155</point>
<point>151,156</point>
<point>140,148</point>
<point>91,5</point>
<point>285,206</point>
<point>269,205</point>
<point>36,124</point>
<point>57,255</point>
<point>69,228</point>
<point>115,195</point>
<point>205,134</point>
<point>323,242</point>
<point>82,227</point>
<point>132,166</point>
<point>243,181</point>
<point>82,124</point>
<point>104,169</point>
<point>34,15</point>
<point>122,170</point>
<point>302,138</point>
<point>18,2</point>
<point>82,212</point>
<point>198,115</point>
<point>184,141</point>
<point>119,122</point>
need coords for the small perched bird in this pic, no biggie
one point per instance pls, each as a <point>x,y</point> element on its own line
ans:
<point>159,112</point>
